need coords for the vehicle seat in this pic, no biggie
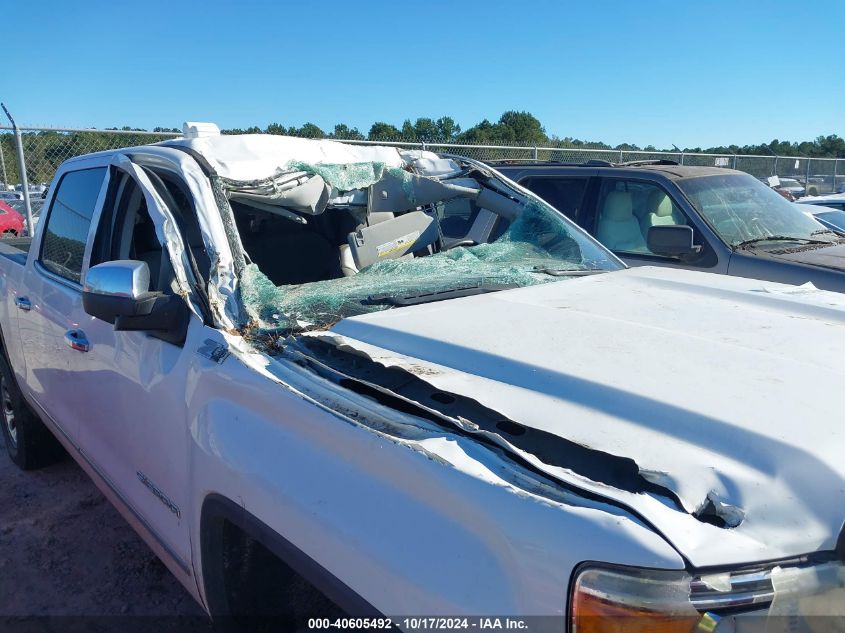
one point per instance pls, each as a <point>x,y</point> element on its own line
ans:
<point>640,200</point>
<point>618,229</point>
<point>347,262</point>
<point>661,212</point>
<point>148,249</point>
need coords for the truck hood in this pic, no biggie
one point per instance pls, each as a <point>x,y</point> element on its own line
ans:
<point>724,393</point>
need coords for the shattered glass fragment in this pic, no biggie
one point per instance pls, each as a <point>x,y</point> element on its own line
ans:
<point>537,240</point>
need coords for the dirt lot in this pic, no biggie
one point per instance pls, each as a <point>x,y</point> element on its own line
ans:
<point>65,551</point>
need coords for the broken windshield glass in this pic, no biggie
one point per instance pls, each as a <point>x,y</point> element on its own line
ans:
<point>354,259</point>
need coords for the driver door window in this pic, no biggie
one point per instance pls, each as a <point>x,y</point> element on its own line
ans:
<point>127,231</point>
<point>627,209</point>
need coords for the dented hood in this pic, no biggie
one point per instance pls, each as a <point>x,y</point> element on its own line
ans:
<point>725,392</point>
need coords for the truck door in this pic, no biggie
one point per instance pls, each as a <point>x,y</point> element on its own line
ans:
<point>52,301</point>
<point>135,431</point>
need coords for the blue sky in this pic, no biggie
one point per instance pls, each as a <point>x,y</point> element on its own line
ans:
<point>688,72</point>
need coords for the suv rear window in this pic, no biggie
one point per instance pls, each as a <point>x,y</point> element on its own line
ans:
<point>564,194</point>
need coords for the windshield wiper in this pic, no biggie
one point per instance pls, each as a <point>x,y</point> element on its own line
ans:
<point>838,234</point>
<point>567,272</point>
<point>777,238</point>
<point>437,295</point>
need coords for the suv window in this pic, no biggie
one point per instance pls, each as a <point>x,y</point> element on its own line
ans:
<point>627,209</point>
<point>564,194</point>
<point>63,243</point>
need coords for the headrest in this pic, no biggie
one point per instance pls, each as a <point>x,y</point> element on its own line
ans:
<point>659,204</point>
<point>617,206</point>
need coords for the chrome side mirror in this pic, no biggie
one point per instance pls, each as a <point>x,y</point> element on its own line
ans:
<point>120,278</point>
<point>118,292</point>
<point>117,289</point>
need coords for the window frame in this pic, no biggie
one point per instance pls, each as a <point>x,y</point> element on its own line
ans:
<point>102,246</point>
<point>95,213</point>
<point>698,238</point>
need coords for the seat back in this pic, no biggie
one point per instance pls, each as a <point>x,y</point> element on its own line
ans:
<point>617,228</point>
<point>661,212</point>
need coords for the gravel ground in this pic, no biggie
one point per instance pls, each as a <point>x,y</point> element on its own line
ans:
<point>65,551</point>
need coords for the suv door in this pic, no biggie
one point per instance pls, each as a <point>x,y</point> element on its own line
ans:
<point>625,210</point>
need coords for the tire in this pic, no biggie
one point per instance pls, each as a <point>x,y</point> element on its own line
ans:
<point>29,443</point>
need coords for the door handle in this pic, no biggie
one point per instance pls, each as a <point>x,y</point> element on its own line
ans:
<point>23,303</point>
<point>76,340</point>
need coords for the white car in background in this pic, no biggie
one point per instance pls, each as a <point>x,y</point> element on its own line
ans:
<point>828,210</point>
<point>833,201</point>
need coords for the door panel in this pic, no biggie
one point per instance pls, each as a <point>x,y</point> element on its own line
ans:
<point>135,432</point>
<point>55,298</point>
<point>122,400</point>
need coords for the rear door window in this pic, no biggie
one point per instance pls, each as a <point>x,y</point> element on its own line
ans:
<point>66,233</point>
<point>564,194</point>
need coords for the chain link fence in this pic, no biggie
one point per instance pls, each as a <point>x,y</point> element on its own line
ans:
<point>44,149</point>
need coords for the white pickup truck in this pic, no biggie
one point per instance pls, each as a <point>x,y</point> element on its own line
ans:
<point>410,383</point>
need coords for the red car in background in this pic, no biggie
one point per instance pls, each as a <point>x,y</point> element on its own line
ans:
<point>11,222</point>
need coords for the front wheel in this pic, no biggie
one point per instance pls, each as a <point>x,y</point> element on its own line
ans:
<point>28,442</point>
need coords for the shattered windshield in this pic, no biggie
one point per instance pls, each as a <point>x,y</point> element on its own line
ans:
<point>345,240</point>
<point>741,209</point>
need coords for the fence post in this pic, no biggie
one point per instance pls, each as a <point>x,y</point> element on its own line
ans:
<point>21,170</point>
<point>733,163</point>
<point>3,164</point>
<point>775,167</point>
<point>535,154</point>
<point>807,177</point>
<point>835,164</point>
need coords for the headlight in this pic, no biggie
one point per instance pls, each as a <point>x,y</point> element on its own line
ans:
<point>611,599</point>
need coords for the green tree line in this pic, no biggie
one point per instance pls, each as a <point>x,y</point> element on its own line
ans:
<point>44,151</point>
